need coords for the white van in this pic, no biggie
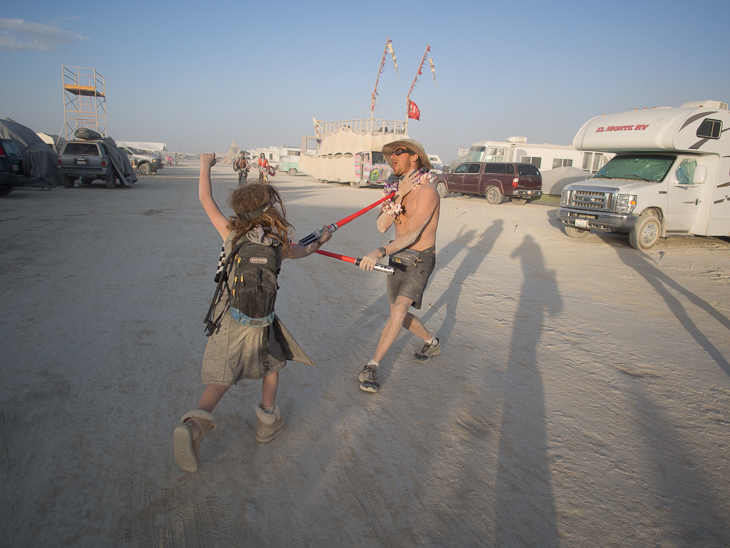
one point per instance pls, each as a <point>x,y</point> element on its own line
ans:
<point>670,175</point>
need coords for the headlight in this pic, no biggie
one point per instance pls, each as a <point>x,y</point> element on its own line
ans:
<point>625,203</point>
<point>564,197</point>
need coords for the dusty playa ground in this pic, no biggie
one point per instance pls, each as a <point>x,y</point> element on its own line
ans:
<point>582,397</point>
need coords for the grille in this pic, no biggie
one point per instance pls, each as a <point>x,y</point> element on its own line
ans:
<point>590,199</point>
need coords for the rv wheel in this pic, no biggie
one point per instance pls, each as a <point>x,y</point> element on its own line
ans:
<point>646,232</point>
<point>573,232</point>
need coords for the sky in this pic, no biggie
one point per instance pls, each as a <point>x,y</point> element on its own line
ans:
<point>197,77</point>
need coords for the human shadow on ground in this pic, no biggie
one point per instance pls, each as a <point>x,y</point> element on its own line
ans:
<point>662,284</point>
<point>478,249</point>
<point>525,509</point>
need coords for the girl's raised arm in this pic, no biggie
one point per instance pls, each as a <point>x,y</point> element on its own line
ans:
<point>205,193</point>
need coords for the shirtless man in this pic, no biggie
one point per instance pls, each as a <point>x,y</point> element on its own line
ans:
<point>416,221</point>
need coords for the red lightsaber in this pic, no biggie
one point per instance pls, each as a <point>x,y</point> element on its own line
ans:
<point>314,236</point>
<point>356,262</point>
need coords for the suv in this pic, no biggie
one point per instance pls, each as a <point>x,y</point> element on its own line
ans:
<point>85,160</point>
<point>145,163</point>
<point>519,182</point>
<point>11,166</point>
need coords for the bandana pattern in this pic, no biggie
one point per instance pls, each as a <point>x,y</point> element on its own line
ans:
<point>389,206</point>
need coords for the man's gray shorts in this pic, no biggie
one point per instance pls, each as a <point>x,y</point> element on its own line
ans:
<point>410,282</point>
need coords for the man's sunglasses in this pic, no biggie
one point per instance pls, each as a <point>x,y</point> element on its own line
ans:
<point>400,150</point>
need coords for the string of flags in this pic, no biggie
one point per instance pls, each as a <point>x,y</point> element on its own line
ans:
<point>388,49</point>
<point>413,111</point>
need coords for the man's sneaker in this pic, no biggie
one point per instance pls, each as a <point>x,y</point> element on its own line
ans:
<point>427,351</point>
<point>369,379</point>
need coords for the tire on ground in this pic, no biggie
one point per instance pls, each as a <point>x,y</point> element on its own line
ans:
<point>646,232</point>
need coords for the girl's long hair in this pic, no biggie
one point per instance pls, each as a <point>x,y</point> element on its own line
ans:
<point>249,198</point>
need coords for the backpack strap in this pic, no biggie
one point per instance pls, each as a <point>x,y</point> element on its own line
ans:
<point>222,279</point>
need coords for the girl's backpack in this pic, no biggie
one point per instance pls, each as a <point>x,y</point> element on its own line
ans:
<point>254,271</point>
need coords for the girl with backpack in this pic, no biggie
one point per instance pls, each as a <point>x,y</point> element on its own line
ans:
<point>236,351</point>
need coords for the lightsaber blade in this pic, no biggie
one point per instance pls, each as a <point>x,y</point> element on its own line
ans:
<point>314,236</point>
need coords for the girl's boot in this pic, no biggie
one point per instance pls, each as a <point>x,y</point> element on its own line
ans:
<point>187,437</point>
<point>270,424</point>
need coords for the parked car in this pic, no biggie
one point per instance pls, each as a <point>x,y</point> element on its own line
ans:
<point>494,180</point>
<point>11,167</point>
<point>85,160</point>
<point>146,164</point>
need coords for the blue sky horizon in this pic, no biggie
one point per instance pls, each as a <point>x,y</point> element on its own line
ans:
<point>198,78</point>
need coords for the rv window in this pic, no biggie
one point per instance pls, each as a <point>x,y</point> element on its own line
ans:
<point>534,160</point>
<point>641,167</point>
<point>378,157</point>
<point>597,160</point>
<point>686,172</point>
<point>709,129</point>
<point>495,154</point>
<point>560,162</point>
<point>587,159</point>
<point>494,168</point>
<point>473,168</point>
<point>461,168</point>
<point>475,154</point>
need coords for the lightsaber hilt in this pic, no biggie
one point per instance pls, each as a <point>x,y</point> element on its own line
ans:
<point>379,267</point>
<point>356,261</point>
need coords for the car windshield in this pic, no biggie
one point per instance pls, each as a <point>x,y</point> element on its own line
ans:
<point>641,167</point>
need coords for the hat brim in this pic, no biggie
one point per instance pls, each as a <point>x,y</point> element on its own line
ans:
<point>410,144</point>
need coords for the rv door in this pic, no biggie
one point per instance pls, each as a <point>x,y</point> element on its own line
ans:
<point>684,195</point>
<point>719,224</point>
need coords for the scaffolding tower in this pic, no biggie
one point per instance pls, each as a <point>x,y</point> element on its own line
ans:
<point>84,92</point>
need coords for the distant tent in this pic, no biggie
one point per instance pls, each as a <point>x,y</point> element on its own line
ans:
<point>232,154</point>
<point>40,162</point>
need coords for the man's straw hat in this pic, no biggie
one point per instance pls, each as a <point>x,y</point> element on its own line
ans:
<point>410,144</point>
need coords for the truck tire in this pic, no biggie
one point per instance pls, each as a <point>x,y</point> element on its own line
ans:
<point>573,232</point>
<point>145,169</point>
<point>519,201</point>
<point>68,182</point>
<point>292,171</point>
<point>87,181</point>
<point>5,190</point>
<point>441,189</point>
<point>493,195</point>
<point>646,232</point>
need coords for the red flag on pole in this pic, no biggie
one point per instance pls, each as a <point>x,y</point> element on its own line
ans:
<point>413,110</point>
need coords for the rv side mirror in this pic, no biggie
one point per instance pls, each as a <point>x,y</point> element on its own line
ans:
<point>700,175</point>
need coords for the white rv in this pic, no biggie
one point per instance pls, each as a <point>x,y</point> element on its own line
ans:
<point>542,156</point>
<point>670,175</point>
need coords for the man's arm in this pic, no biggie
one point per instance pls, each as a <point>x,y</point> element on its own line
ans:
<point>205,193</point>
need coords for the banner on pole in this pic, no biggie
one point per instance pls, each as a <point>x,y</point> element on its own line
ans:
<point>413,110</point>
